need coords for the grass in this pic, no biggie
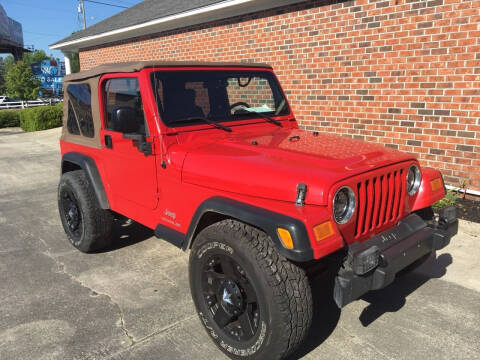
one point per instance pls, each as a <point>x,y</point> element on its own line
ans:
<point>450,198</point>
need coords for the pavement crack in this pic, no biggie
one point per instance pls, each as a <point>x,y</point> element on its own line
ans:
<point>122,322</point>
<point>61,269</point>
<point>166,328</point>
<point>120,353</point>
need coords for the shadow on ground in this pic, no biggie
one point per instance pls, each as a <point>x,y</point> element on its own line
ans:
<point>391,299</point>
<point>127,232</point>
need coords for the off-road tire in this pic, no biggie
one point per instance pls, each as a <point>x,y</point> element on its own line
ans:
<point>282,288</point>
<point>95,228</point>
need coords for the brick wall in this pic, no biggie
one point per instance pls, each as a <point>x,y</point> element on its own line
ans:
<point>405,73</point>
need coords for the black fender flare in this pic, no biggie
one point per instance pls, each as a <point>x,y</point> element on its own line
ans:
<point>87,164</point>
<point>266,220</point>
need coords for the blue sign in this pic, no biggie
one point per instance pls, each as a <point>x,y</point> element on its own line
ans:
<point>50,73</point>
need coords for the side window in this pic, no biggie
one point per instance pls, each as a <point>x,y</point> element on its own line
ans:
<point>80,118</point>
<point>72,125</point>
<point>124,94</point>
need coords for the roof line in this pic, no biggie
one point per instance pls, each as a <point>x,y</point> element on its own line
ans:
<point>128,67</point>
<point>200,10</point>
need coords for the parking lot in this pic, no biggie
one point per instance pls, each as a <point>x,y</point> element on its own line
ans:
<point>133,301</point>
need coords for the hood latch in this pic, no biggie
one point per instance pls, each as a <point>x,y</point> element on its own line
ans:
<point>301,193</point>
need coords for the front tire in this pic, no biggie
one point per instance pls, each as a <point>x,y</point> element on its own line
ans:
<point>87,225</point>
<point>253,302</point>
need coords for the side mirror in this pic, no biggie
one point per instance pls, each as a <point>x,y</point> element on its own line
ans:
<point>123,120</point>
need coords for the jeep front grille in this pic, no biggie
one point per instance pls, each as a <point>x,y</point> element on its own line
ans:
<point>380,201</point>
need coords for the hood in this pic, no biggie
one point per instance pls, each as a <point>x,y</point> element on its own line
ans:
<point>272,165</point>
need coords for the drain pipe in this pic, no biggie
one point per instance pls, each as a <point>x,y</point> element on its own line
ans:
<point>462,191</point>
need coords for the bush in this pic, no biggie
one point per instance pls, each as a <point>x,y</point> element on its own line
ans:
<point>9,118</point>
<point>41,118</point>
<point>450,198</point>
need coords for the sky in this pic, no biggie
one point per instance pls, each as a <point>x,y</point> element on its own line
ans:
<point>47,21</point>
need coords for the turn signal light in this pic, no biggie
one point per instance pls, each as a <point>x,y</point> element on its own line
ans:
<point>436,184</point>
<point>285,237</point>
<point>323,230</point>
<point>366,260</point>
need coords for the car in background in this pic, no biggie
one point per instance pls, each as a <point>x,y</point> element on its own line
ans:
<point>4,99</point>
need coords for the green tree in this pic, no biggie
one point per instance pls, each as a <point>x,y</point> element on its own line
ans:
<point>2,77</point>
<point>20,83</point>
<point>36,56</point>
<point>6,64</point>
<point>74,62</point>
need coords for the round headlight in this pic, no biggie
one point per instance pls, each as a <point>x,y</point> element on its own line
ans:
<point>343,205</point>
<point>413,179</point>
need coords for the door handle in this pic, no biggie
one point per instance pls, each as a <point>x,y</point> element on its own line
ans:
<point>108,142</point>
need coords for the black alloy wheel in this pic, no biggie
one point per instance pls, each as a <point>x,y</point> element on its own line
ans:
<point>71,212</point>
<point>230,297</point>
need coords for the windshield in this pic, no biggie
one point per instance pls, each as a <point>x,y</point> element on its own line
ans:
<point>185,97</point>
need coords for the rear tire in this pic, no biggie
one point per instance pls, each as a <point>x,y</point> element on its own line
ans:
<point>253,302</point>
<point>88,227</point>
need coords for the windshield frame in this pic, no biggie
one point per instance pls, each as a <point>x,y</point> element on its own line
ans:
<point>227,121</point>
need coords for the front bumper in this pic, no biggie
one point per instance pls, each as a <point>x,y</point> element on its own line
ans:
<point>373,264</point>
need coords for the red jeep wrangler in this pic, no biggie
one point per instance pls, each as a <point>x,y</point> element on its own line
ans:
<point>211,157</point>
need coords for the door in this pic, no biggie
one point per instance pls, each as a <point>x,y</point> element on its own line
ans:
<point>129,158</point>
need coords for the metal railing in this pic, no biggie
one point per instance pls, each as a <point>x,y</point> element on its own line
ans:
<point>27,104</point>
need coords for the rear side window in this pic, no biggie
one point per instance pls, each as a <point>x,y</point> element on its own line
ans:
<point>124,93</point>
<point>80,110</point>
<point>72,125</point>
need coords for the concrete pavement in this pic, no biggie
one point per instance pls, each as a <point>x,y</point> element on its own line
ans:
<point>133,301</point>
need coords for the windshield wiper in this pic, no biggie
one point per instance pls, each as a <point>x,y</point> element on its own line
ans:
<point>204,119</point>
<point>266,117</point>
